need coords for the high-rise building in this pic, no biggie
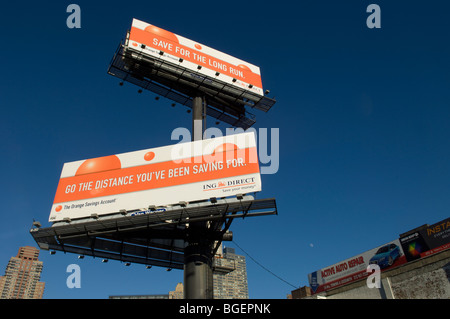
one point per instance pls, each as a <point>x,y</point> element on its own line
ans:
<point>21,280</point>
<point>230,276</point>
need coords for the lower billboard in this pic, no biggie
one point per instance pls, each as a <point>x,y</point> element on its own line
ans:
<point>184,172</point>
<point>354,269</point>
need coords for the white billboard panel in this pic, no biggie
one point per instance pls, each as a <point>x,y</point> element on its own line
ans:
<point>151,40</point>
<point>199,170</point>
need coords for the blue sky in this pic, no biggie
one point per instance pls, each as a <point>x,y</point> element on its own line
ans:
<point>362,114</point>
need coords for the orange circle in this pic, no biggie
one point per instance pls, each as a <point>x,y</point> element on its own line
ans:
<point>99,164</point>
<point>149,156</point>
<point>58,208</point>
<point>244,67</point>
<point>225,147</point>
<point>162,33</point>
<point>198,46</point>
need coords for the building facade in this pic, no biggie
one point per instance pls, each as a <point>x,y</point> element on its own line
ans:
<point>230,275</point>
<point>22,275</point>
<point>178,293</point>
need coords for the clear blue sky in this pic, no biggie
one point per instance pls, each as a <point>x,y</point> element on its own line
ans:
<point>363,116</point>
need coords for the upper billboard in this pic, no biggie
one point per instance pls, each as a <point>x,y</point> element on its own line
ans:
<point>183,172</point>
<point>162,44</point>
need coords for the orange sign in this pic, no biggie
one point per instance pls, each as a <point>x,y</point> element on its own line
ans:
<point>152,40</point>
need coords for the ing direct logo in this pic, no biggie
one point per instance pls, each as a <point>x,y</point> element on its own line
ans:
<point>229,184</point>
<point>213,186</point>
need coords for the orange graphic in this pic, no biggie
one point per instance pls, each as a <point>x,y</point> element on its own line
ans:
<point>244,67</point>
<point>149,156</point>
<point>230,150</point>
<point>225,147</point>
<point>99,164</point>
<point>58,208</point>
<point>161,33</point>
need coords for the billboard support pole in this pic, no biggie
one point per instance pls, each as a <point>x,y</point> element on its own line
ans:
<point>198,276</point>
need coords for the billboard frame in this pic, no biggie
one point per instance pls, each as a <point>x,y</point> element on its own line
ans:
<point>153,238</point>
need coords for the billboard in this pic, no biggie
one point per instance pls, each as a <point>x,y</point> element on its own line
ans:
<point>353,269</point>
<point>183,172</point>
<point>162,44</point>
<point>427,240</point>
<point>421,242</point>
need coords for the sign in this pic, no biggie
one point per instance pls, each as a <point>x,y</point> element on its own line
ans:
<point>353,269</point>
<point>427,241</point>
<point>199,170</point>
<point>413,245</point>
<point>162,44</point>
<point>437,236</point>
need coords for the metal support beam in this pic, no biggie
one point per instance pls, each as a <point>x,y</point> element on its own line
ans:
<point>197,118</point>
<point>198,271</point>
